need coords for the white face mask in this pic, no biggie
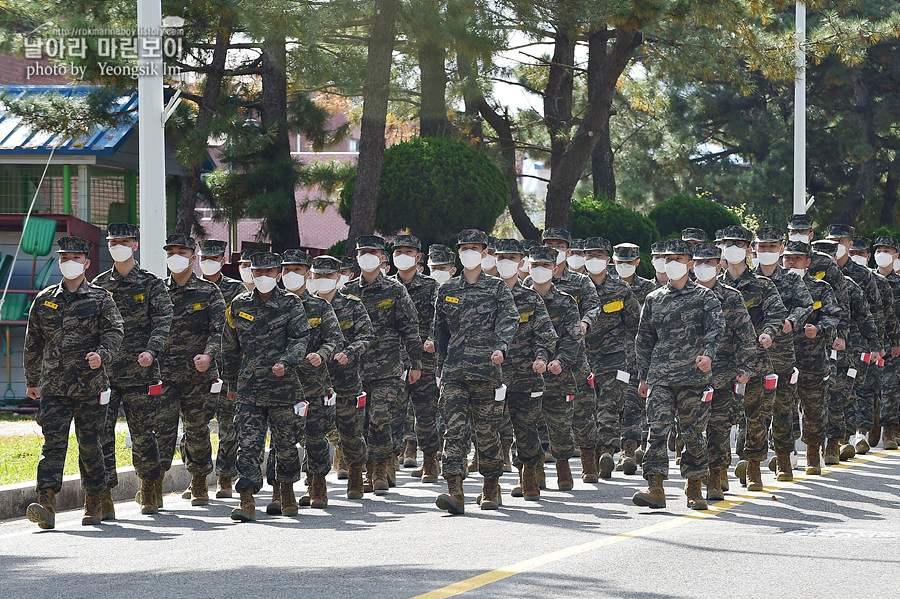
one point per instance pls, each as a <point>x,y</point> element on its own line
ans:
<point>441,276</point>
<point>800,272</point>
<point>798,237</point>
<point>659,265</point>
<point>488,262</point>
<point>883,259</point>
<point>861,260</point>
<point>754,261</point>
<point>595,265</point>
<point>323,285</point>
<point>540,274</point>
<point>210,267</point>
<point>71,269</point>
<point>120,253</point>
<point>246,274</point>
<point>704,272</point>
<point>342,280</point>
<point>575,261</point>
<point>675,270</point>
<point>507,268</point>
<point>625,270</point>
<point>368,262</point>
<point>265,284</point>
<point>293,281</point>
<point>841,251</point>
<point>734,255</point>
<point>560,257</point>
<point>177,263</point>
<point>404,261</point>
<point>471,259</point>
<point>897,264</point>
<point>721,246</point>
<point>523,268</point>
<point>768,258</point>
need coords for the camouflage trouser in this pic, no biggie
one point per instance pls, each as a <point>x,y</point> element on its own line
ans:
<point>855,402</point>
<point>399,416</point>
<point>458,400</point>
<point>634,416</point>
<point>584,418</point>
<point>782,413</point>
<point>226,455</point>
<point>409,423</point>
<point>140,413</point>
<point>839,390</point>
<point>868,396</point>
<point>543,433</point>
<point>524,411</point>
<point>55,418</point>
<point>757,408</point>
<point>319,419</point>
<point>349,425</point>
<point>424,398</point>
<point>381,408</point>
<point>507,432</point>
<point>664,405</point>
<point>890,392</point>
<point>718,429</point>
<point>611,399</point>
<point>251,423</point>
<point>558,413</point>
<point>812,388</point>
<point>196,405</point>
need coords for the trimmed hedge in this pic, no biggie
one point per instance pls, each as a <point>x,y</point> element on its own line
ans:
<point>679,212</point>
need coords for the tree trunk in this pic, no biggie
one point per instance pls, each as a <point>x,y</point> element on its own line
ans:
<point>602,171</point>
<point>371,136</point>
<point>281,214</point>
<point>889,197</point>
<point>865,178</point>
<point>604,69</point>
<point>471,98</point>
<point>186,218</point>
<point>433,108</point>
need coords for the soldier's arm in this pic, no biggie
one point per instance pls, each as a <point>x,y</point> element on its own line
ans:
<point>631,316</point>
<point>407,320</point>
<point>231,350</point>
<point>839,285</point>
<point>33,354</point>
<point>873,296</point>
<point>332,338</point>
<point>804,304</point>
<point>892,334</point>
<point>363,332</point>
<point>216,324</point>
<point>645,340</point>
<point>589,298</point>
<point>160,318</point>
<point>112,330</point>
<point>590,317</point>
<point>713,325</point>
<point>745,336</point>
<point>506,323</point>
<point>773,309</point>
<point>830,316</point>
<point>441,334</point>
<point>297,335</point>
<point>545,337</point>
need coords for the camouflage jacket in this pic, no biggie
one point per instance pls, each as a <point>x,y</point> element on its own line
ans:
<point>563,311</point>
<point>396,323</point>
<point>471,322</point>
<point>823,267</point>
<point>863,332</point>
<point>63,327</point>
<point>677,325</point>
<point>325,339</point>
<point>891,328</point>
<point>798,303</point>
<point>641,287</point>
<point>863,277</point>
<point>259,334</point>
<point>422,291</point>
<point>146,309</point>
<point>767,311</point>
<point>580,287</point>
<point>812,354</point>
<point>535,339</point>
<point>737,349</point>
<point>230,288</point>
<point>358,333</point>
<point>197,321</point>
<point>613,326</point>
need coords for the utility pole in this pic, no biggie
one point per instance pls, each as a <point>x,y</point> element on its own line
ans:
<point>800,205</point>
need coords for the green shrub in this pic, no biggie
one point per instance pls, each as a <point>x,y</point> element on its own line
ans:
<point>590,217</point>
<point>679,212</point>
<point>338,249</point>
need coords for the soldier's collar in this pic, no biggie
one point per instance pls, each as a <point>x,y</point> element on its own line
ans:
<point>688,286</point>
<point>277,292</point>
<point>82,288</point>
<point>379,279</point>
<point>190,283</point>
<point>133,274</point>
<point>478,282</point>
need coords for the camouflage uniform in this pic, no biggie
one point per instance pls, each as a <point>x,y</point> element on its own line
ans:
<point>63,327</point>
<point>863,338</point>
<point>259,334</point>
<point>676,326</point>
<point>394,319</point>
<point>197,322</point>
<point>143,302</point>
<point>890,379</point>
<point>471,321</point>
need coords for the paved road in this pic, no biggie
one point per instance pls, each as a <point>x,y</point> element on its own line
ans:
<point>831,536</point>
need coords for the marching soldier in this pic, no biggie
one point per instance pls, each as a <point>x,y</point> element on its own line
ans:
<point>885,255</point>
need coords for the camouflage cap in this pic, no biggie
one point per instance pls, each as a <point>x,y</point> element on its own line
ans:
<point>860,244</point>
<point>826,246</point>
<point>719,234</point>
<point>440,254</point>
<point>325,265</point>
<point>597,244</point>
<point>295,257</point>
<point>556,233</point>
<point>408,241</point>
<point>886,241</point>
<point>626,252</point>
<point>491,243</point>
<point>707,251</point>
<point>542,254</point>
<point>839,231</point>
<point>471,236</point>
<point>796,248</point>
<point>212,247</point>
<point>509,246</point>
<point>180,239</point>
<point>693,234</point>
<point>657,248</point>
<point>369,242</point>
<point>678,246</point>
<point>769,235</point>
<point>73,244</point>
<point>121,231</point>
<point>799,222</point>
<point>527,244</point>
<point>577,245</point>
<point>265,260</point>
<point>737,233</point>
<point>347,262</point>
<point>247,254</point>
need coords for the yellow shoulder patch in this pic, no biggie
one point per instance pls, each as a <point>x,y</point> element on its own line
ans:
<point>385,304</point>
<point>452,300</point>
<point>816,305</point>
<point>346,324</point>
<point>353,296</point>
<point>246,316</point>
<point>613,306</point>
<point>751,303</point>
<point>50,304</point>
<point>229,318</point>
<point>819,275</point>
<point>139,297</point>
<point>199,307</point>
<point>524,316</point>
<point>314,322</point>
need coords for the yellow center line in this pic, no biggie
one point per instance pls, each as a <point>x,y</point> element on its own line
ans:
<point>475,582</point>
